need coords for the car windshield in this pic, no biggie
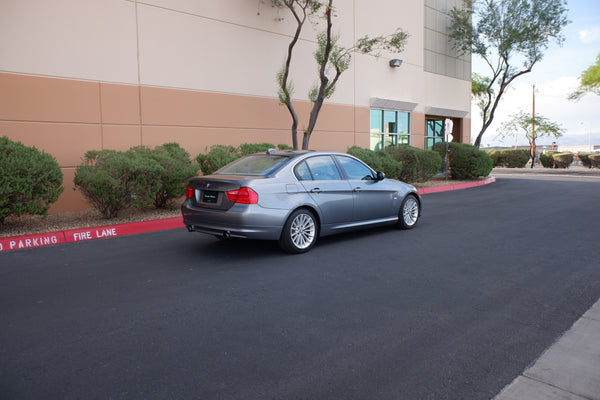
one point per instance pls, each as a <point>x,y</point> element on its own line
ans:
<point>257,164</point>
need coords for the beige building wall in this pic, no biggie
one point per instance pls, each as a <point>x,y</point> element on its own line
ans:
<point>77,75</point>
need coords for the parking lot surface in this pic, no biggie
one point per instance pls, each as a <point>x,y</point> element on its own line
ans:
<point>455,309</point>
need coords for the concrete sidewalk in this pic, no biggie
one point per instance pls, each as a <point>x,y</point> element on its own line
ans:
<point>575,170</point>
<point>568,370</point>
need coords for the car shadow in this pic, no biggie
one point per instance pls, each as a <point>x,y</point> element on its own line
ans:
<point>213,249</point>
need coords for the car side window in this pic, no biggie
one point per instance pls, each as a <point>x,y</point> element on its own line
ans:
<point>302,172</point>
<point>323,168</point>
<point>355,170</point>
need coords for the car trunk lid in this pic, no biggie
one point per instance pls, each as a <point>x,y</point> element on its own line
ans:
<point>211,192</point>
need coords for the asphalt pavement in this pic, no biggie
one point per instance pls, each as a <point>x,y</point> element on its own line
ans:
<point>438,312</point>
<point>570,368</point>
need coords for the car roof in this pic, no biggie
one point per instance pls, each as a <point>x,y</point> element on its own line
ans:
<point>296,153</point>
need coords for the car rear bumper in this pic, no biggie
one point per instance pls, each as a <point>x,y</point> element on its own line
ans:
<point>249,221</point>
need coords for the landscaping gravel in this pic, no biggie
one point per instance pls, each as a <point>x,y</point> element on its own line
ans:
<point>30,224</point>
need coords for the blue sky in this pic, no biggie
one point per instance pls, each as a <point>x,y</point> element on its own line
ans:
<point>554,77</point>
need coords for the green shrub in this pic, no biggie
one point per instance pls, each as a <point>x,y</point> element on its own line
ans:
<point>177,170</point>
<point>510,158</point>
<point>284,147</point>
<point>30,180</point>
<point>418,165</point>
<point>495,154</point>
<point>547,160</point>
<point>562,160</point>
<point>217,157</point>
<point>113,180</point>
<point>585,159</point>
<point>595,160</point>
<point>379,161</point>
<point>430,164</point>
<point>466,161</point>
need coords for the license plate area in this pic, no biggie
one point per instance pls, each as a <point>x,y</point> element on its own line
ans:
<point>210,197</point>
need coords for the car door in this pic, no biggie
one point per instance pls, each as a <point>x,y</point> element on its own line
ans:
<point>321,178</point>
<point>373,199</point>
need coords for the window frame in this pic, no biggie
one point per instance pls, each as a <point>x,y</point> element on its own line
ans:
<point>435,137</point>
<point>382,129</point>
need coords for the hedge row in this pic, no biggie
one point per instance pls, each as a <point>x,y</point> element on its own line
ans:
<point>465,161</point>
<point>590,160</point>
<point>110,180</point>
<point>405,163</point>
<point>30,180</point>
<point>510,158</point>
<point>555,159</point>
<point>113,180</point>
<point>410,164</point>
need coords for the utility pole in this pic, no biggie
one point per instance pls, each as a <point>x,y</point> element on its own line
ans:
<point>533,126</point>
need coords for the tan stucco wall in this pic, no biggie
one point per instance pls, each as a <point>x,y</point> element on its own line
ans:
<point>80,75</point>
<point>66,118</point>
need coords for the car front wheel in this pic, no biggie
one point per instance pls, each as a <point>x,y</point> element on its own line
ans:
<point>409,212</point>
<point>299,232</point>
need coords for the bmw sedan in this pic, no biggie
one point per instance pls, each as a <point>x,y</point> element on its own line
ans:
<point>295,197</point>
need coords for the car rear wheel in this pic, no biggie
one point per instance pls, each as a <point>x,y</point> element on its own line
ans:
<point>409,212</point>
<point>299,232</point>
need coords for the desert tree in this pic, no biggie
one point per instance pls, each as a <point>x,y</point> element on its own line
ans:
<point>332,58</point>
<point>510,36</point>
<point>589,81</point>
<point>532,128</point>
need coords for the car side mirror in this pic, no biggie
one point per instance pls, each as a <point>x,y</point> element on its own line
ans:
<point>380,176</point>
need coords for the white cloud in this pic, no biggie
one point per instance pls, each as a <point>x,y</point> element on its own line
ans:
<point>590,35</point>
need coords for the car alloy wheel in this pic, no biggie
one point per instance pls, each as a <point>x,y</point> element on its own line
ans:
<point>409,212</point>
<point>299,233</point>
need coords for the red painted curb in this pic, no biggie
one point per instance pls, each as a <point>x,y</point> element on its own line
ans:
<point>100,232</point>
<point>458,186</point>
<point>83,234</point>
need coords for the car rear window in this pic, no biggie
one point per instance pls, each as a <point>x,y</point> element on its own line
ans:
<point>257,164</point>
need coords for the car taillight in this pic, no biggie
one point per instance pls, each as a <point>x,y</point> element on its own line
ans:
<point>190,192</point>
<point>244,195</point>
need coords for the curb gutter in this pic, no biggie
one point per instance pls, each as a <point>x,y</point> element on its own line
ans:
<point>106,231</point>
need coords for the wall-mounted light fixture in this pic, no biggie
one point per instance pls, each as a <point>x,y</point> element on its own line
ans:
<point>395,62</point>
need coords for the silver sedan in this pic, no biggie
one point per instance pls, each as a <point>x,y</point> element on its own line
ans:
<point>295,197</point>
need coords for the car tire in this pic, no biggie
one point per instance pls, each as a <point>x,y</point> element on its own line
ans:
<point>409,212</point>
<point>299,233</point>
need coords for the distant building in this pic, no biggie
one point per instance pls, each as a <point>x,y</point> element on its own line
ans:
<point>595,148</point>
<point>97,74</point>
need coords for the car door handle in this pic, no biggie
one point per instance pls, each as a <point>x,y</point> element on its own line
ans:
<point>315,190</point>
<point>358,189</point>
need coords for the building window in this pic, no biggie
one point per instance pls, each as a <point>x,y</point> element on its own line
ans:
<point>389,128</point>
<point>435,132</point>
